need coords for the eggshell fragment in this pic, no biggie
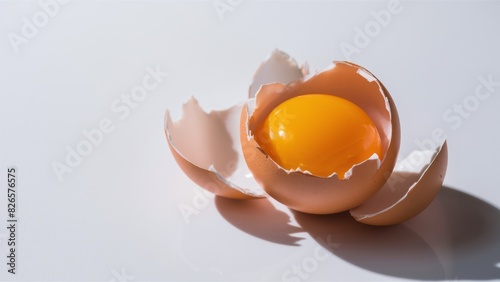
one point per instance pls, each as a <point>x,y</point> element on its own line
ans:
<point>279,67</point>
<point>207,148</point>
<point>307,193</point>
<point>412,186</point>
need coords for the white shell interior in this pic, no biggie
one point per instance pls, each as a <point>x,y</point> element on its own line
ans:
<point>211,141</point>
<point>278,68</point>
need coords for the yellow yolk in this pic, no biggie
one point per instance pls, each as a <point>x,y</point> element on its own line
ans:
<point>319,133</point>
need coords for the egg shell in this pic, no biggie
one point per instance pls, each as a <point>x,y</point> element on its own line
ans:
<point>408,191</point>
<point>278,67</point>
<point>206,147</point>
<point>318,195</point>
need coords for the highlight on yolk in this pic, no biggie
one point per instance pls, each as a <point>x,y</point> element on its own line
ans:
<point>318,133</point>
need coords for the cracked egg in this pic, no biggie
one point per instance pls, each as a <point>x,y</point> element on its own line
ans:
<point>318,143</point>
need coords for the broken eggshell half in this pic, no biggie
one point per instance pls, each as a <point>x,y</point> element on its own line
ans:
<point>207,146</point>
<point>412,186</point>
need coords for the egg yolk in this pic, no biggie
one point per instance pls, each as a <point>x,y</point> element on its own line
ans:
<point>318,133</point>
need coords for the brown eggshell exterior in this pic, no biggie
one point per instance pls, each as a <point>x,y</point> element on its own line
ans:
<point>206,179</point>
<point>308,193</point>
<point>416,200</point>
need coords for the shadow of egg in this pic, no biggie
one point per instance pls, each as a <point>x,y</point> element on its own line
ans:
<point>259,218</point>
<point>470,227</point>
<point>456,237</point>
<point>394,250</point>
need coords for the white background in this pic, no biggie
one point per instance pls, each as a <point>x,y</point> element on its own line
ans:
<point>116,216</point>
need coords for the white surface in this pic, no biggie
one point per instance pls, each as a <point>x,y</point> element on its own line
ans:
<point>118,212</point>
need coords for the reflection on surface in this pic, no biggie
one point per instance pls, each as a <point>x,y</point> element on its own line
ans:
<point>457,237</point>
<point>258,218</point>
